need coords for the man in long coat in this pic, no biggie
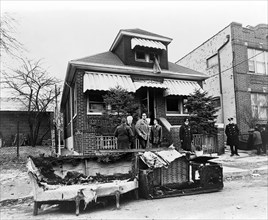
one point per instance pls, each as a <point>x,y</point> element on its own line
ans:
<point>186,136</point>
<point>232,133</point>
<point>142,131</point>
<point>124,135</point>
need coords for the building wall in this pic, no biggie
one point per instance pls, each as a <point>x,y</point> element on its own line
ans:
<point>237,83</point>
<point>245,82</point>
<point>197,60</point>
<point>9,121</point>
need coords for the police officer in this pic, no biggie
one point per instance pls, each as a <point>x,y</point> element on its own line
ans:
<point>232,133</point>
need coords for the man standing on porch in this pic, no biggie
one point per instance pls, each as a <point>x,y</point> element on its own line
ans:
<point>142,129</point>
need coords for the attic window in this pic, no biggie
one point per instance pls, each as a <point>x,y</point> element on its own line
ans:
<point>146,57</point>
<point>140,55</point>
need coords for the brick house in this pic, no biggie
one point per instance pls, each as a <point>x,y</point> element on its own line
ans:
<point>236,60</point>
<point>13,113</point>
<point>138,62</point>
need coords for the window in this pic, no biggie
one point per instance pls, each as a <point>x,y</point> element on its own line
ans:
<point>176,105</point>
<point>216,102</point>
<point>212,61</point>
<point>95,104</point>
<point>75,100</point>
<point>140,55</point>
<point>259,105</point>
<point>257,61</point>
<point>146,57</point>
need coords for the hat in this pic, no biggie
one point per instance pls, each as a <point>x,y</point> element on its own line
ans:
<point>229,119</point>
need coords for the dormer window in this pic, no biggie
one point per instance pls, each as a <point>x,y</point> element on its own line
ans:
<point>140,56</point>
<point>146,57</point>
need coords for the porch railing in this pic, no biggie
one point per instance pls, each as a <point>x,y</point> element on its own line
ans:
<point>106,142</point>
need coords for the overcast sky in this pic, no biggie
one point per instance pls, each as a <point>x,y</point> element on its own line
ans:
<point>60,31</point>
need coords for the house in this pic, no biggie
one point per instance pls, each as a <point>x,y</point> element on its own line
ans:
<point>236,61</point>
<point>14,116</point>
<point>138,62</point>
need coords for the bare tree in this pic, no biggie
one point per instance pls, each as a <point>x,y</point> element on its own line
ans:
<point>8,43</point>
<point>35,89</point>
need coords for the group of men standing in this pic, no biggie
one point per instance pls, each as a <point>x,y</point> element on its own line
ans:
<point>127,133</point>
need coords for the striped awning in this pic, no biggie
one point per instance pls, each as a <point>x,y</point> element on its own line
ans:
<point>106,81</point>
<point>147,43</point>
<point>149,83</point>
<point>180,87</point>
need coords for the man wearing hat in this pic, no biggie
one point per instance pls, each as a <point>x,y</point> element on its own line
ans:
<point>232,133</point>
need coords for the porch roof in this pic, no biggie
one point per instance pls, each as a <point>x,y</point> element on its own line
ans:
<point>180,87</point>
<point>106,81</point>
<point>147,43</point>
<point>149,83</point>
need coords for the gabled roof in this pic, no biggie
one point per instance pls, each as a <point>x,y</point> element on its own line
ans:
<point>107,58</point>
<point>140,34</point>
<point>143,32</point>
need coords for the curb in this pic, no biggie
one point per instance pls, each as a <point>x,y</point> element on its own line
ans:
<point>240,174</point>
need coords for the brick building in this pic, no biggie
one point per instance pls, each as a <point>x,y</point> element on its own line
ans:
<point>138,62</point>
<point>236,60</point>
<point>13,114</point>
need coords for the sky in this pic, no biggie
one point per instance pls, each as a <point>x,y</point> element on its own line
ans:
<point>60,31</point>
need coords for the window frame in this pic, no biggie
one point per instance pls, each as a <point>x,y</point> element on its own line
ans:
<point>181,102</point>
<point>255,62</point>
<point>94,102</point>
<point>256,107</point>
<point>210,58</point>
<point>146,56</point>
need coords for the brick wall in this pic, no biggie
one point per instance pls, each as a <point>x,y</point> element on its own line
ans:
<point>246,83</point>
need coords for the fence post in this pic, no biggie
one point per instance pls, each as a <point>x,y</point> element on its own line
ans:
<point>18,137</point>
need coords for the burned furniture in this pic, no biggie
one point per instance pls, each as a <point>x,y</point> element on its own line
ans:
<point>61,179</point>
<point>181,176</point>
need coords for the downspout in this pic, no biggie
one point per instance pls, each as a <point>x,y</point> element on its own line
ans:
<point>71,113</point>
<point>220,76</point>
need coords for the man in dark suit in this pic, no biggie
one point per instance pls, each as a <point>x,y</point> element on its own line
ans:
<point>232,133</point>
<point>156,134</point>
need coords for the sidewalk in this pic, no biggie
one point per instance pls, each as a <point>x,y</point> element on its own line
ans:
<point>248,163</point>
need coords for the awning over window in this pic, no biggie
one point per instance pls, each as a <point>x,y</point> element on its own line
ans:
<point>147,43</point>
<point>106,81</point>
<point>180,87</point>
<point>149,83</point>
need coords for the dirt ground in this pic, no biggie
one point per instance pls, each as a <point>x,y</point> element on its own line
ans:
<point>13,170</point>
<point>240,199</point>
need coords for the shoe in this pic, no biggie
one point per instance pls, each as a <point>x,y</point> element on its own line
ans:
<point>237,155</point>
<point>231,155</point>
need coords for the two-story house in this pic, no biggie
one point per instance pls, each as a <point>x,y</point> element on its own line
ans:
<point>236,61</point>
<point>137,61</point>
